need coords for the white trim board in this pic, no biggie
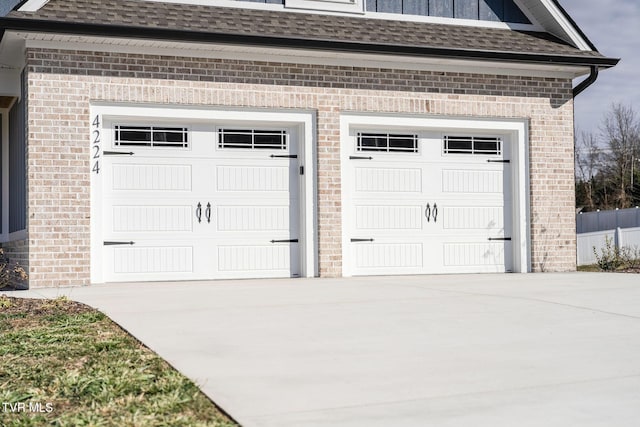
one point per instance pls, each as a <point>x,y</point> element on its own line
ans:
<point>32,5</point>
<point>303,120</point>
<point>516,129</point>
<point>298,56</point>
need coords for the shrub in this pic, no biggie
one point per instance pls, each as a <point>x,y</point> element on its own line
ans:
<point>631,257</point>
<point>610,258</point>
<point>10,275</point>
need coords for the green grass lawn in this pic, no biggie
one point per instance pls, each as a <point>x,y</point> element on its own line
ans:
<point>65,364</point>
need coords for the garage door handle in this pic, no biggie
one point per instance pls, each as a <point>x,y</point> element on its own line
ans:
<point>499,239</point>
<point>361,240</point>
<point>285,241</point>
<point>498,161</point>
<point>435,212</point>
<point>207,212</point>
<point>117,243</point>
<point>427,212</point>
<point>284,156</point>
<point>117,153</point>
<point>360,158</point>
<point>199,212</point>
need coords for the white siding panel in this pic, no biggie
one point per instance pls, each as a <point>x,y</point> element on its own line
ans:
<point>252,258</point>
<point>474,254</point>
<point>388,180</point>
<point>472,181</point>
<point>152,177</point>
<point>252,218</point>
<point>382,255</point>
<point>469,218</point>
<point>249,178</point>
<point>152,218</point>
<point>389,217</point>
<point>153,260</point>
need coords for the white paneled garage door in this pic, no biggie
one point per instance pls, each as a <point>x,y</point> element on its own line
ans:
<point>195,201</point>
<point>428,202</point>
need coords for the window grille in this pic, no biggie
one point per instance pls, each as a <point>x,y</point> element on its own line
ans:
<point>252,139</point>
<point>387,142</point>
<point>479,145</point>
<point>151,136</point>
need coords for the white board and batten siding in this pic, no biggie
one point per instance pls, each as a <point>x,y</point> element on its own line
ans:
<point>427,209</point>
<point>201,210</point>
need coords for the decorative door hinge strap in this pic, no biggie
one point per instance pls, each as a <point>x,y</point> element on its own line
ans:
<point>285,241</point>
<point>499,239</point>
<point>361,240</point>
<point>360,158</point>
<point>498,161</point>
<point>284,156</point>
<point>117,153</point>
<point>118,243</point>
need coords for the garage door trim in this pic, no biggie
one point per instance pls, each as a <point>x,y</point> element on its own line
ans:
<point>302,121</point>
<point>514,129</point>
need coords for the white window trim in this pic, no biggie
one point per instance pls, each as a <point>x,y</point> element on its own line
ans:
<point>516,129</point>
<point>303,120</point>
<point>346,6</point>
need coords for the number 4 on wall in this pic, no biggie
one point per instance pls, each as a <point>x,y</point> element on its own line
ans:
<point>95,141</point>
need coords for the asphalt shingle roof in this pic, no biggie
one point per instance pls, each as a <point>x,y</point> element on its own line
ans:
<point>266,25</point>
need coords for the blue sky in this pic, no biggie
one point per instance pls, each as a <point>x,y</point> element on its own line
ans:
<point>614,28</point>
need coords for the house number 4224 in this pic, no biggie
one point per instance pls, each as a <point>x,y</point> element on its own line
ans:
<point>95,144</point>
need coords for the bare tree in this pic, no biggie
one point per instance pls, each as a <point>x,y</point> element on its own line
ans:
<point>589,156</point>
<point>621,135</point>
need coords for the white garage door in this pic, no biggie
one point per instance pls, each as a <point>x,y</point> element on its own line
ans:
<point>200,202</point>
<point>422,203</point>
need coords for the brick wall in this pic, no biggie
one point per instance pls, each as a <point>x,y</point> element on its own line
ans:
<point>63,83</point>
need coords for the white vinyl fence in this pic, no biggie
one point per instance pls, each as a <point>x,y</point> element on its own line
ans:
<point>620,237</point>
<point>607,220</point>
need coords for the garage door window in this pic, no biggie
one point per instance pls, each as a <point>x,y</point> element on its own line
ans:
<point>151,136</point>
<point>387,142</point>
<point>479,145</point>
<point>252,139</point>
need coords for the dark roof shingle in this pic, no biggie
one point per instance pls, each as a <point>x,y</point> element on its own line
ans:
<point>266,25</point>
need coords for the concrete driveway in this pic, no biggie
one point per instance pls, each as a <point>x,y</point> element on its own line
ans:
<point>482,350</point>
